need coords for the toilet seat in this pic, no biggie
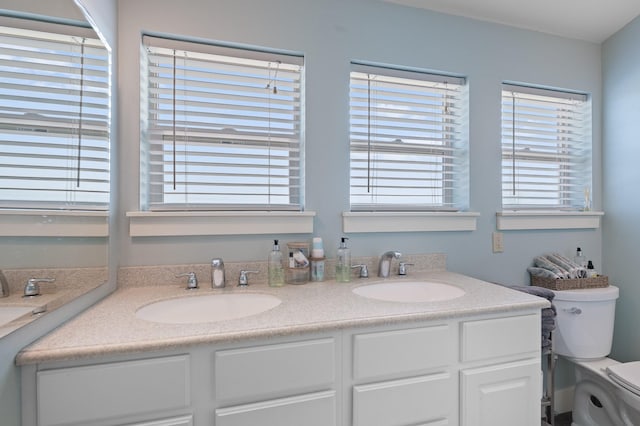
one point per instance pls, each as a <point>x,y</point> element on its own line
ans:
<point>626,375</point>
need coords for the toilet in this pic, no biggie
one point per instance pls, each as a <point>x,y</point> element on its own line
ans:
<point>607,392</point>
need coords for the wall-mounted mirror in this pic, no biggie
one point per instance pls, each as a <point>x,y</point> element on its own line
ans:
<point>55,114</point>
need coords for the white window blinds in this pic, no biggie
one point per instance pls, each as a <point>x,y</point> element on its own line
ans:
<point>54,119</point>
<point>223,128</point>
<point>546,149</point>
<point>408,141</point>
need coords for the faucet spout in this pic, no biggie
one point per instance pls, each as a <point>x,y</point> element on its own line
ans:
<point>384,267</point>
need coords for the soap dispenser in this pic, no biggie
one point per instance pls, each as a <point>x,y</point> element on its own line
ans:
<point>343,262</point>
<point>276,271</point>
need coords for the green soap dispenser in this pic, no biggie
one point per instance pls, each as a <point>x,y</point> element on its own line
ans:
<point>276,271</point>
<point>343,262</point>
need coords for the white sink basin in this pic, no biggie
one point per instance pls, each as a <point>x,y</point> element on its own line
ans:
<point>209,308</point>
<point>9,313</point>
<point>410,291</point>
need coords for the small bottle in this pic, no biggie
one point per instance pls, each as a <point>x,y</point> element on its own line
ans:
<point>580,259</point>
<point>343,262</point>
<point>591,271</point>
<point>317,250</point>
<point>276,272</point>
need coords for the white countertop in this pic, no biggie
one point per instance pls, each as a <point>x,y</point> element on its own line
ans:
<point>111,326</point>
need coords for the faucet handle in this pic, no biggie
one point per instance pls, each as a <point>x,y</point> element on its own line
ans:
<point>32,288</point>
<point>243,280</point>
<point>192,281</point>
<point>364,271</point>
<point>402,268</point>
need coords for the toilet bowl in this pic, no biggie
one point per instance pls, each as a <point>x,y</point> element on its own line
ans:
<point>607,392</point>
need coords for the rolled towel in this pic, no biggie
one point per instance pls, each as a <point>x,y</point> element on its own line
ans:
<point>543,262</point>
<point>543,273</point>
<point>575,270</point>
<point>563,263</point>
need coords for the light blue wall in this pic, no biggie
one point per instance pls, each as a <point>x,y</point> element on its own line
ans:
<point>331,33</point>
<point>621,130</point>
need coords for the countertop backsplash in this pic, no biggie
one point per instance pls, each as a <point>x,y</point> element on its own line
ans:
<point>160,275</point>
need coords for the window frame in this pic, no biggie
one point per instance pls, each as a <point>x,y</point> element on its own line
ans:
<point>533,138</point>
<point>152,200</point>
<point>451,175</point>
<point>85,150</point>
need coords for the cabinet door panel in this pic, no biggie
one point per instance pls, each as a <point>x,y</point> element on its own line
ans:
<point>425,400</point>
<point>88,394</point>
<point>317,409</point>
<point>402,352</point>
<point>488,339</point>
<point>274,371</point>
<point>501,395</point>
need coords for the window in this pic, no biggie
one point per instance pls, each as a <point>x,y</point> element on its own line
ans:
<point>222,128</point>
<point>54,117</point>
<point>408,141</point>
<point>546,149</point>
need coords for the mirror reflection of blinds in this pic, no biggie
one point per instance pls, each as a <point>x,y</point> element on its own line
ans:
<point>405,136</point>
<point>54,119</point>
<point>224,127</point>
<point>546,152</point>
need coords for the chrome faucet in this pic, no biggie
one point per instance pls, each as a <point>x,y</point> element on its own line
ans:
<point>217,273</point>
<point>4,285</point>
<point>192,280</point>
<point>384,268</point>
<point>32,287</point>
<point>243,279</point>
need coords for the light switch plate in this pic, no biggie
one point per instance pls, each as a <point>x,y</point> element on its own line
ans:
<point>498,242</point>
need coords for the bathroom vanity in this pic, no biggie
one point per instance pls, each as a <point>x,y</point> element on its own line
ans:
<point>325,355</point>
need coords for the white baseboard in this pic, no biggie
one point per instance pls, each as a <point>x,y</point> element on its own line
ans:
<point>563,400</point>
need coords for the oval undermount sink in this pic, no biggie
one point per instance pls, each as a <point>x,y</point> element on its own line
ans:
<point>209,308</point>
<point>10,313</point>
<point>410,291</point>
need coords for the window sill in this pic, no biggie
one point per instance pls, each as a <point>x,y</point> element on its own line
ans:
<point>521,220</point>
<point>162,224</point>
<point>408,221</point>
<point>53,223</point>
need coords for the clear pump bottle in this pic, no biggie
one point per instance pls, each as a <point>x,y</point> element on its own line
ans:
<point>580,259</point>
<point>276,271</point>
<point>343,262</point>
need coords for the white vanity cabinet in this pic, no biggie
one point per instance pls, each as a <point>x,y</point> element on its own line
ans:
<point>474,371</point>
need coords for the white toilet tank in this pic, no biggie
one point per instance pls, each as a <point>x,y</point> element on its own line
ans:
<point>584,322</point>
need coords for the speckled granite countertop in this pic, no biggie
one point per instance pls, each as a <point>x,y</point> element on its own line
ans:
<point>111,326</point>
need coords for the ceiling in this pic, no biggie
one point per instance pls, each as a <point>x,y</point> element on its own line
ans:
<point>589,20</point>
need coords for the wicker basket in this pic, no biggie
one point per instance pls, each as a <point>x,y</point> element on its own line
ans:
<point>570,284</point>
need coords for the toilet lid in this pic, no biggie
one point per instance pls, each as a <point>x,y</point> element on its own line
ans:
<point>626,375</point>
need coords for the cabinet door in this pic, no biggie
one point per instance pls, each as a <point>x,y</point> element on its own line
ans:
<point>89,394</point>
<point>318,409</point>
<point>425,400</point>
<point>501,395</point>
